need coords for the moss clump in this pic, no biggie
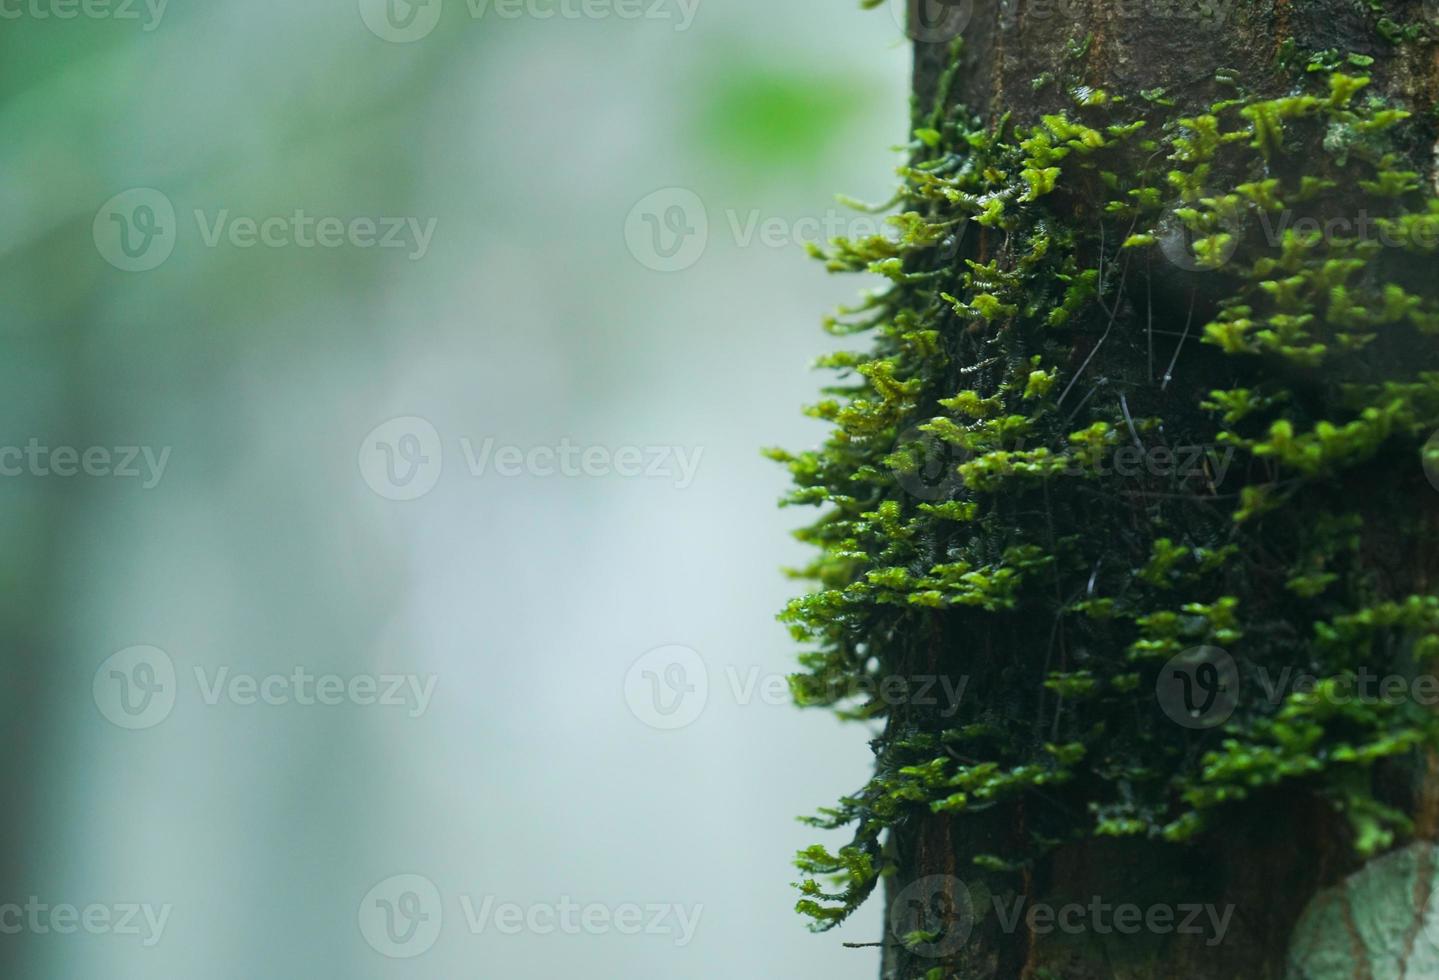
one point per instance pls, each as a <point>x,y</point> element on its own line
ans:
<point>1028,329</point>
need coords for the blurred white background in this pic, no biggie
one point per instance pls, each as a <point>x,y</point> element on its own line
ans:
<point>529,778</point>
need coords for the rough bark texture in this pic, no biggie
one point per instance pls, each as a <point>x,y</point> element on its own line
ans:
<point>1287,847</point>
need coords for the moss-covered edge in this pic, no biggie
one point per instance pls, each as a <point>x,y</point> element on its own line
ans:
<point>1033,323</point>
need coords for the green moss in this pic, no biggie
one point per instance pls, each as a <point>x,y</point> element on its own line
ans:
<point>1089,579</point>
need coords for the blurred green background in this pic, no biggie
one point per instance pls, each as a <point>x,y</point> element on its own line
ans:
<point>534,313</point>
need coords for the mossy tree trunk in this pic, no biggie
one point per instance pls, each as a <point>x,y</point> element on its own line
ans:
<point>1107,244</point>
<point>1022,58</point>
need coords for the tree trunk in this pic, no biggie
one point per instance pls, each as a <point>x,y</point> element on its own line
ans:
<point>1266,864</point>
<point>1066,290</point>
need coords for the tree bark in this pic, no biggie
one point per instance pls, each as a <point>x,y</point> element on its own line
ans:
<point>1272,857</point>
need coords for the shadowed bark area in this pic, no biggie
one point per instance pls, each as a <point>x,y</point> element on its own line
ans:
<point>1279,851</point>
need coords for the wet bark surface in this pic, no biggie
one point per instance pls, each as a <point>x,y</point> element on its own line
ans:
<point>1259,876</point>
